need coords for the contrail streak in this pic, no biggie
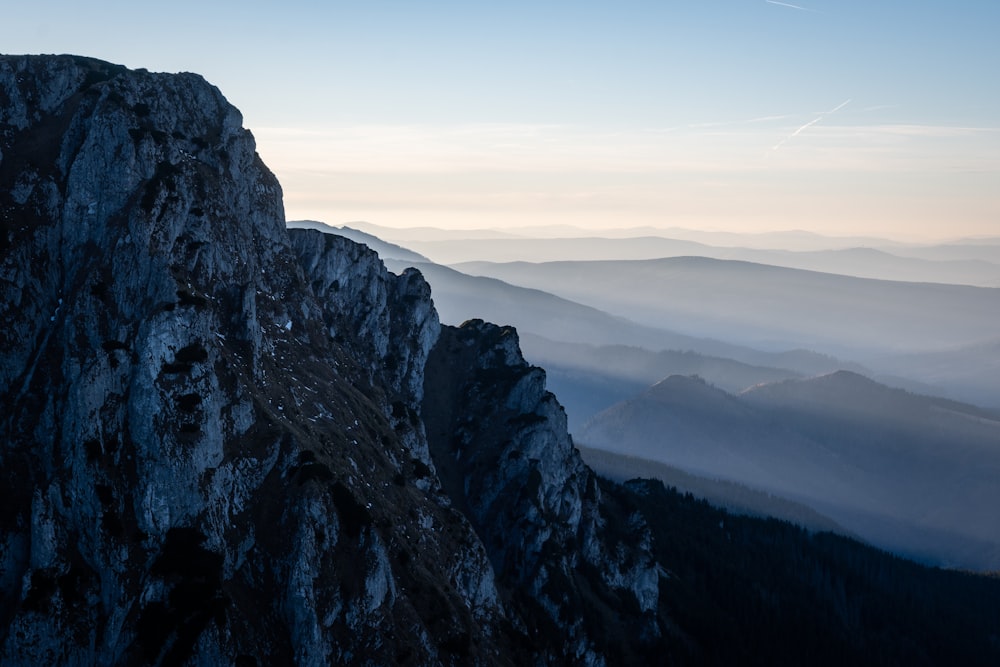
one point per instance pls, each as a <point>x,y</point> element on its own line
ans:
<point>807,125</point>
<point>840,106</point>
<point>790,6</point>
<point>812,122</point>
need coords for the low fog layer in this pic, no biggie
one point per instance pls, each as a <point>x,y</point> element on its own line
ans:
<point>733,496</point>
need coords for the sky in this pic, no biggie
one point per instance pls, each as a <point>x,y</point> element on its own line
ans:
<point>842,118</point>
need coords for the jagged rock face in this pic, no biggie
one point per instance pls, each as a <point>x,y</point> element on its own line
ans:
<point>191,467</point>
<point>213,448</point>
<point>502,449</point>
<point>380,317</point>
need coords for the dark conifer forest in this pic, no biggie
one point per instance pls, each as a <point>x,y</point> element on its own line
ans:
<point>741,590</point>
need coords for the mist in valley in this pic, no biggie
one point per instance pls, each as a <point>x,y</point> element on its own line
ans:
<point>768,307</point>
<point>858,383</point>
<point>910,473</point>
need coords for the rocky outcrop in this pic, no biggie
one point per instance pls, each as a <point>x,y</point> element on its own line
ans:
<point>214,446</point>
<point>385,319</point>
<point>505,457</point>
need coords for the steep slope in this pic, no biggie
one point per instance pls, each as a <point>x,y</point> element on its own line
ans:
<point>534,503</point>
<point>910,473</point>
<point>190,467</point>
<point>747,591</point>
<point>212,444</point>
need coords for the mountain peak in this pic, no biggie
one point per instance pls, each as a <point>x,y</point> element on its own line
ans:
<point>840,387</point>
<point>679,383</point>
<point>845,378</point>
<point>690,392</point>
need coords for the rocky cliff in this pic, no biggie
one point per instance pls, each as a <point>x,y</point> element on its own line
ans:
<point>228,444</point>
<point>505,458</point>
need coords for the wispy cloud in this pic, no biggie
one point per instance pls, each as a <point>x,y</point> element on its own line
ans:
<point>790,6</point>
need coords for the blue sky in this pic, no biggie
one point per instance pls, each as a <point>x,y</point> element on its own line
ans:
<point>746,115</point>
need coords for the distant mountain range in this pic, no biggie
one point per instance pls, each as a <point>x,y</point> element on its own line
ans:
<point>590,378</point>
<point>861,262</point>
<point>794,239</point>
<point>595,359</point>
<point>769,307</point>
<point>459,296</point>
<point>911,473</point>
<point>969,262</point>
<point>969,373</point>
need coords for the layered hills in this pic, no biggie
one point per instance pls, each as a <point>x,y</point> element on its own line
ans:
<point>926,337</point>
<point>860,262</point>
<point>596,359</point>
<point>767,306</point>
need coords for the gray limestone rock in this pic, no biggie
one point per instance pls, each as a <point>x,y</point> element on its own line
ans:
<point>191,467</point>
<point>505,457</point>
<point>215,435</point>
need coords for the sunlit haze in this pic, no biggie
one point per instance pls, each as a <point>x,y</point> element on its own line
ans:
<point>835,117</point>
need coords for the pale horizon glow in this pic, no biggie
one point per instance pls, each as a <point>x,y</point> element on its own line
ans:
<point>841,118</point>
<point>720,177</point>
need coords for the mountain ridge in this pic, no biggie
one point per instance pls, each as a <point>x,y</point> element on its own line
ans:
<point>750,304</point>
<point>861,262</point>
